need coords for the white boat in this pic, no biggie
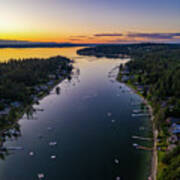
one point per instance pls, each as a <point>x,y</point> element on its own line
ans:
<point>109,114</point>
<point>40,175</point>
<point>52,143</point>
<point>116,161</point>
<point>135,145</point>
<point>137,110</point>
<point>138,115</point>
<point>135,104</point>
<point>113,120</point>
<point>53,157</point>
<point>14,148</point>
<point>31,153</point>
<point>49,128</point>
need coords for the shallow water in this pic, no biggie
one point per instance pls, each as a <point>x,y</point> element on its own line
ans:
<point>90,120</point>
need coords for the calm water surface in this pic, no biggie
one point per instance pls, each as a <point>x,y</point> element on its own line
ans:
<point>90,120</point>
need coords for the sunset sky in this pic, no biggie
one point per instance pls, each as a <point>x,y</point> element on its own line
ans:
<point>90,21</point>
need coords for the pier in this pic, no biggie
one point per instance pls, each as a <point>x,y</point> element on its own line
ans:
<point>141,138</point>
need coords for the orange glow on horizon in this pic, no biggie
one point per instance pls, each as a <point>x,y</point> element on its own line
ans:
<point>60,37</point>
<point>78,21</point>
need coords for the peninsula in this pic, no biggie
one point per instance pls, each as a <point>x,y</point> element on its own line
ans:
<point>23,82</point>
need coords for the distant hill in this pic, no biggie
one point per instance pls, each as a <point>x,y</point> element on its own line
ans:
<point>28,44</point>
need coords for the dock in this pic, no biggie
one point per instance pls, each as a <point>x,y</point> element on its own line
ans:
<point>144,148</point>
<point>138,115</point>
<point>141,138</point>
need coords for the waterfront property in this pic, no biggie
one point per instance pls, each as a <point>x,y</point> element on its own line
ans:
<point>175,128</point>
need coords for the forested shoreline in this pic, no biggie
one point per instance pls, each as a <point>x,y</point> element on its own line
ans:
<point>154,71</point>
<point>23,82</point>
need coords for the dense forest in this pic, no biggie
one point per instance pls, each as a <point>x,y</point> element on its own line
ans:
<point>24,81</point>
<point>154,71</point>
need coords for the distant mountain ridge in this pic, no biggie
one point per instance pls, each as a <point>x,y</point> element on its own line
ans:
<point>29,44</point>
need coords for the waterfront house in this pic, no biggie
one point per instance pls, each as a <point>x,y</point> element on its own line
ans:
<point>50,83</point>
<point>171,147</point>
<point>59,76</point>
<point>140,88</point>
<point>126,71</point>
<point>34,98</point>
<point>175,128</point>
<point>64,72</point>
<point>163,104</point>
<point>125,78</point>
<point>16,104</point>
<point>5,112</point>
<point>171,107</point>
<point>52,76</point>
<point>171,120</point>
<point>37,89</point>
<point>43,87</point>
<point>173,139</point>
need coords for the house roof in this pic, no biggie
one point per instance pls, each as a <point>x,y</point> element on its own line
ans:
<point>174,120</point>
<point>176,131</point>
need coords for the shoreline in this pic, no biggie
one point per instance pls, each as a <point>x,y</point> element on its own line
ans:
<point>141,76</point>
<point>17,119</point>
<point>40,93</point>
<point>25,108</point>
<point>154,158</point>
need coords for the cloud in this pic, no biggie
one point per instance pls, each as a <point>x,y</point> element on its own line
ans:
<point>75,39</point>
<point>128,37</point>
<point>140,36</point>
<point>108,34</point>
<point>123,41</point>
<point>158,36</point>
<point>79,36</point>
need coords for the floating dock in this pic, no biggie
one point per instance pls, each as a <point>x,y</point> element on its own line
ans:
<point>140,115</point>
<point>144,148</point>
<point>141,138</point>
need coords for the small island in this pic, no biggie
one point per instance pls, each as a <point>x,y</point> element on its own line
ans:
<point>23,82</point>
<point>154,73</point>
